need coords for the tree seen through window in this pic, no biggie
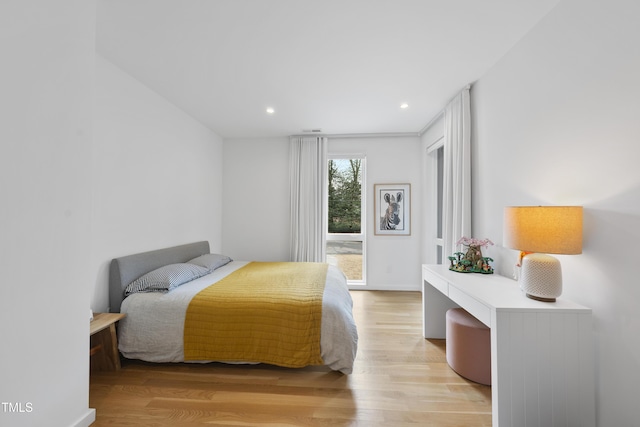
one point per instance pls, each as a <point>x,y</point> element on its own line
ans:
<point>345,202</point>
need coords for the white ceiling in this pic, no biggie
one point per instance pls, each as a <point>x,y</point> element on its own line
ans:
<point>343,66</point>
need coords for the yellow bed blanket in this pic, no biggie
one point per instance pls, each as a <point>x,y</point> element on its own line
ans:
<point>267,312</point>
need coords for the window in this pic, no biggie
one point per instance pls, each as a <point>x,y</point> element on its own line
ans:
<point>436,160</point>
<point>345,231</point>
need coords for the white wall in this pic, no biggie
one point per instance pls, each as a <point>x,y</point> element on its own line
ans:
<point>256,203</point>
<point>255,199</point>
<point>393,262</point>
<point>157,175</point>
<point>557,121</point>
<point>45,191</point>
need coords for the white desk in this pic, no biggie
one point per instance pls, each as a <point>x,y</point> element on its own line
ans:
<point>542,369</point>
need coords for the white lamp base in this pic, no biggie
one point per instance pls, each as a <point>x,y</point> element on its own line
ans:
<point>541,277</point>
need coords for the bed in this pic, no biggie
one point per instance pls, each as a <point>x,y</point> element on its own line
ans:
<point>223,314</point>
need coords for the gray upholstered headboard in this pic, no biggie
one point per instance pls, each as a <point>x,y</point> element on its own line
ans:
<point>126,269</point>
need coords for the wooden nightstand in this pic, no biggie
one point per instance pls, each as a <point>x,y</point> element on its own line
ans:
<point>104,342</point>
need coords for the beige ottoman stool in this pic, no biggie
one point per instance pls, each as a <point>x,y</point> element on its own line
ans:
<point>468,346</point>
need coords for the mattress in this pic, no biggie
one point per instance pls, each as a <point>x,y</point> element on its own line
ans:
<point>153,329</point>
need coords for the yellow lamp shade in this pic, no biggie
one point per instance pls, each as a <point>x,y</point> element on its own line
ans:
<point>543,229</point>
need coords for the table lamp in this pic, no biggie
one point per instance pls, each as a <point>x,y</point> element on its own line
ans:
<point>538,231</point>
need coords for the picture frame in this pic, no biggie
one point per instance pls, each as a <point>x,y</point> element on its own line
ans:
<point>392,207</point>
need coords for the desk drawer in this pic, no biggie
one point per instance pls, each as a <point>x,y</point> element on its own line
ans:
<point>436,281</point>
<point>473,306</point>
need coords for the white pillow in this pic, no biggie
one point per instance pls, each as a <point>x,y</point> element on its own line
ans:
<point>211,261</point>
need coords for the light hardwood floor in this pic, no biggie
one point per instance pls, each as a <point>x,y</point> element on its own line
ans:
<point>399,379</point>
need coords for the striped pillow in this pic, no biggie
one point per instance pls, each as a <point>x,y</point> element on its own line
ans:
<point>165,278</point>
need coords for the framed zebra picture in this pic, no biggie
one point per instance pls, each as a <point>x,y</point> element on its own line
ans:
<point>392,204</point>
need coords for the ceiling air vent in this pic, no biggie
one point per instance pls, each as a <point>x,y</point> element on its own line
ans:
<point>312,130</point>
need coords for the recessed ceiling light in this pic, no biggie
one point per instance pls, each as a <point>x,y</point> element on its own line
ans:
<point>404,105</point>
<point>270,110</point>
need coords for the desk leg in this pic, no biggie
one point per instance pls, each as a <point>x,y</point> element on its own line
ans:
<point>542,369</point>
<point>434,309</point>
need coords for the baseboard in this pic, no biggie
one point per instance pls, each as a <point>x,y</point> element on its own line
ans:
<point>88,419</point>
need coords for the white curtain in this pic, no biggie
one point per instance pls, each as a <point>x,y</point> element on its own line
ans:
<point>457,171</point>
<point>308,180</point>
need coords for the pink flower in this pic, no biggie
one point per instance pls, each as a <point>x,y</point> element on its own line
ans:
<point>474,242</point>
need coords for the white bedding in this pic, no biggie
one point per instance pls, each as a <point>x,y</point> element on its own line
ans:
<point>153,328</point>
